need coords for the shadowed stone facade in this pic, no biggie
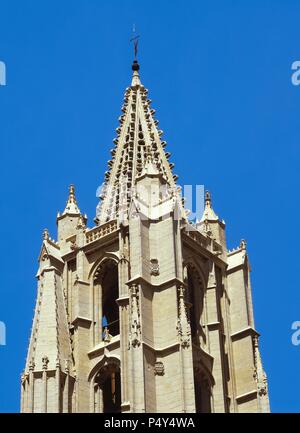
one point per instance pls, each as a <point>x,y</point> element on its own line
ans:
<point>146,311</point>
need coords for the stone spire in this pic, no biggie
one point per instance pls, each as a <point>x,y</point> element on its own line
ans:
<point>138,147</point>
<point>71,206</point>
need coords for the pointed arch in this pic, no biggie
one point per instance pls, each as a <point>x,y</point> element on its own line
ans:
<point>105,360</point>
<point>195,284</point>
<point>195,298</point>
<point>101,260</point>
<point>105,277</point>
<point>105,380</point>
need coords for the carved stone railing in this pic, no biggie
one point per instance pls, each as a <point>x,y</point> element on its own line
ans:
<point>101,231</point>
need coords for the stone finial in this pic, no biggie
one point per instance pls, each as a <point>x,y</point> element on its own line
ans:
<point>72,192</point>
<point>67,367</point>
<point>71,206</point>
<point>209,213</point>
<point>243,244</point>
<point>207,198</point>
<point>45,235</point>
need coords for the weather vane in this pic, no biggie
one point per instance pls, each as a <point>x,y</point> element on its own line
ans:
<point>135,40</point>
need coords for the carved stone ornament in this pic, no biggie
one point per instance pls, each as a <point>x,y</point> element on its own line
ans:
<point>135,326</point>
<point>31,365</point>
<point>81,223</point>
<point>159,368</point>
<point>183,325</point>
<point>45,361</point>
<point>154,267</point>
<point>73,246</point>
<point>259,373</point>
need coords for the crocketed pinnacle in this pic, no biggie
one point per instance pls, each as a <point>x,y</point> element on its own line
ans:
<point>71,206</point>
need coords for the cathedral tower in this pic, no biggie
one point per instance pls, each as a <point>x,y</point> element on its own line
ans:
<point>146,311</point>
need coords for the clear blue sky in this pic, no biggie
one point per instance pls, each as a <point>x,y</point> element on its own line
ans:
<point>219,75</point>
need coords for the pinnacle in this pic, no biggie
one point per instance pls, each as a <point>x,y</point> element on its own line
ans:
<point>209,214</point>
<point>207,199</point>
<point>45,234</point>
<point>71,206</point>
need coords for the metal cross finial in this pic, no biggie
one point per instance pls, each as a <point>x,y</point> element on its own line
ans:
<point>135,40</point>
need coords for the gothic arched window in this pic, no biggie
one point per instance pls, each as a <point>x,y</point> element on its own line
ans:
<point>107,293</point>
<point>107,389</point>
<point>194,297</point>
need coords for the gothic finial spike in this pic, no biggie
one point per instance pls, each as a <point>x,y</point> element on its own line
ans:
<point>72,192</point>
<point>243,244</point>
<point>209,213</point>
<point>207,199</point>
<point>45,234</point>
<point>71,206</point>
